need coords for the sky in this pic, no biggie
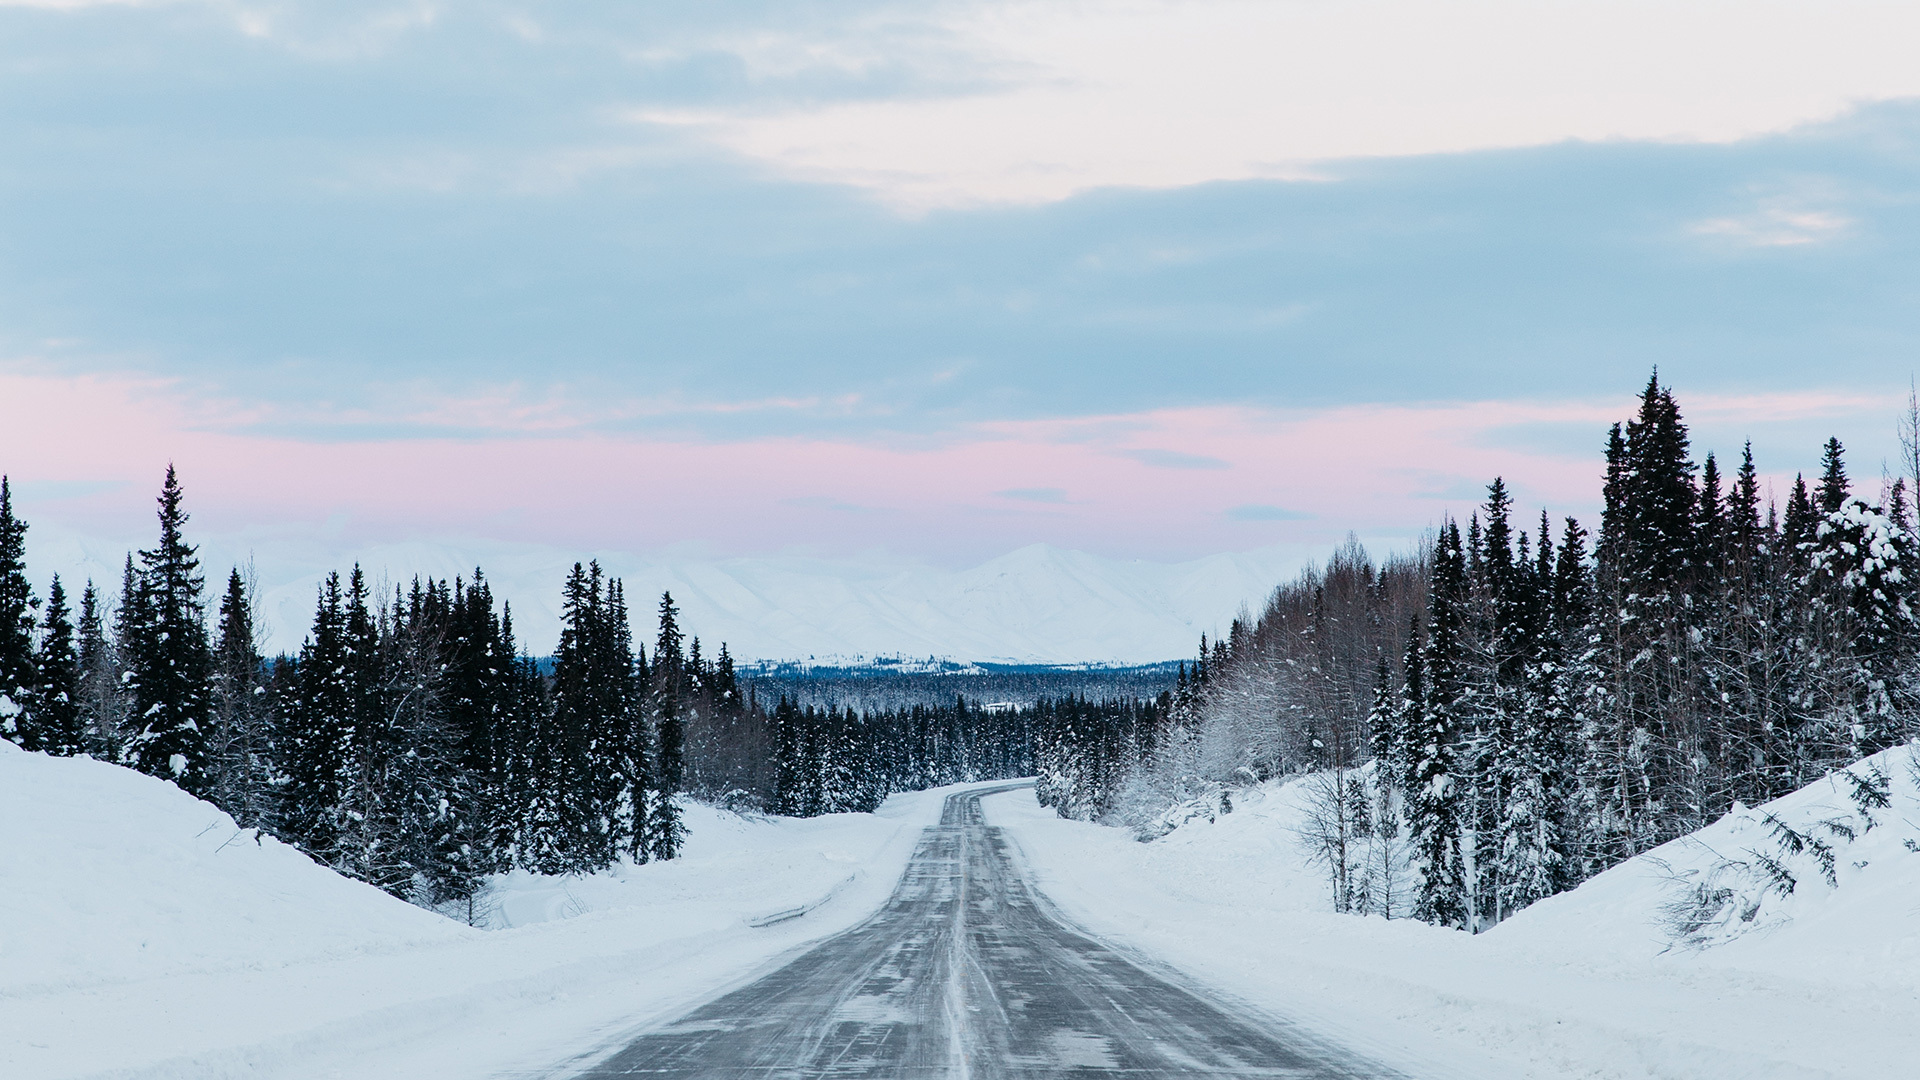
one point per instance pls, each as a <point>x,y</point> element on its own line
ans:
<point>933,281</point>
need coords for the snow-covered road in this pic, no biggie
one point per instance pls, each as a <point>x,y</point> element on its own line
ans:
<point>966,972</point>
<point>144,937</point>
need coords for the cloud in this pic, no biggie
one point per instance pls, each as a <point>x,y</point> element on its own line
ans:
<point>1263,512</point>
<point>1776,225</point>
<point>1174,459</point>
<point>1165,93</point>
<point>1035,494</point>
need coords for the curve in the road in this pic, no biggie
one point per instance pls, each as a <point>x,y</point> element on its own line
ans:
<point>964,974</point>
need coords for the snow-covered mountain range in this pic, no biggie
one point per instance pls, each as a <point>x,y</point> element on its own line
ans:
<point>1040,604</point>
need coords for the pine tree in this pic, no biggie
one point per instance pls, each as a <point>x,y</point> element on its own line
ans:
<point>365,847</point>
<point>1710,523</point>
<point>1832,494</point>
<point>1797,527</point>
<point>1433,789</point>
<point>320,740</point>
<point>669,689</point>
<point>1649,558</point>
<point>17,674</point>
<point>240,745</point>
<point>788,782</point>
<point>585,839</point>
<point>1743,512</point>
<point>1531,845</point>
<point>479,702</point>
<point>427,836</point>
<point>1862,594</point>
<point>168,662</point>
<point>629,764</point>
<point>102,701</point>
<point>1508,640</point>
<point>57,696</point>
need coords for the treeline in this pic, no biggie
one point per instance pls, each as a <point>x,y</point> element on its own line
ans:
<point>410,743</point>
<point>413,743</point>
<point>1506,712</point>
<point>892,687</point>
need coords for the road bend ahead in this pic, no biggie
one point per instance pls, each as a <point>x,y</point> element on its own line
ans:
<point>962,974</point>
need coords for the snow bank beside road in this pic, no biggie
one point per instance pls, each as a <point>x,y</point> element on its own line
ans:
<point>1827,986</point>
<point>140,938</point>
<point>108,875</point>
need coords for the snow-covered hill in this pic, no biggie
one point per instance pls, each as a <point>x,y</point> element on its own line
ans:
<point>1039,604</point>
<point>143,936</point>
<point>1692,962</point>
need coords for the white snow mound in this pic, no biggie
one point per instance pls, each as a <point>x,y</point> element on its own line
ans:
<point>1631,976</point>
<point>1825,879</point>
<point>144,937</point>
<point>107,874</point>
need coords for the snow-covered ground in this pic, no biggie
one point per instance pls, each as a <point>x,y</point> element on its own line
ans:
<point>142,935</point>
<point>1822,982</point>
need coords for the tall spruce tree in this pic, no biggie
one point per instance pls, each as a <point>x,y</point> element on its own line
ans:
<point>1832,494</point>
<point>426,835</point>
<point>240,745</point>
<point>1798,524</point>
<point>57,695</point>
<point>319,740</point>
<point>168,661</point>
<point>101,694</point>
<point>1863,601</point>
<point>1531,849</point>
<point>1434,816</point>
<point>669,693</point>
<point>480,705</point>
<point>17,674</point>
<point>1649,557</point>
<point>365,849</point>
<point>625,675</point>
<point>788,782</point>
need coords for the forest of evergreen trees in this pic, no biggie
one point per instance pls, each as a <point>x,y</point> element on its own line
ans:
<point>1502,714</point>
<point>1487,720</point>
<point>414,744</point>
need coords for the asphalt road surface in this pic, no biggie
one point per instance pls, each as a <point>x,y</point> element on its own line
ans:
<point>964,974</point>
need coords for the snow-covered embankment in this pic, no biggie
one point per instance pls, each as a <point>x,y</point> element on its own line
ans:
<point>143,935</point>
<point>1822,981</point>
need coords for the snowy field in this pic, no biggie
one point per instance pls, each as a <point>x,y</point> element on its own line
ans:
<point>143,936</point>
<point>1823,982</point>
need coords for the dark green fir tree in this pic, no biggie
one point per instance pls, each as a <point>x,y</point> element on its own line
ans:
<point>57,697</point>
<point>168,661</point>
<point>17,674</point>
<point>669,692</point>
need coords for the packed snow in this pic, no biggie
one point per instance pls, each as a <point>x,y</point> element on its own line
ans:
<point>143,936</point>
<point>1629,976</point>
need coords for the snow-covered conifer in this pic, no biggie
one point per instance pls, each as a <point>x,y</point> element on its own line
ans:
<point>17,674</point>
<point>168,661</point>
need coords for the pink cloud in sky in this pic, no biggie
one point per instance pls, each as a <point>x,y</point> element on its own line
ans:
<point>87,452</point>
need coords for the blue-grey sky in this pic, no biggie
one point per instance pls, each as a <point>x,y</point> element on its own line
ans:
<point>1152,279</point>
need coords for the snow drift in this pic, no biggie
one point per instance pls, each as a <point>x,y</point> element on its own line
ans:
<point>142,935</point>
<point>111,875</point>
<point>1692,962</point>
